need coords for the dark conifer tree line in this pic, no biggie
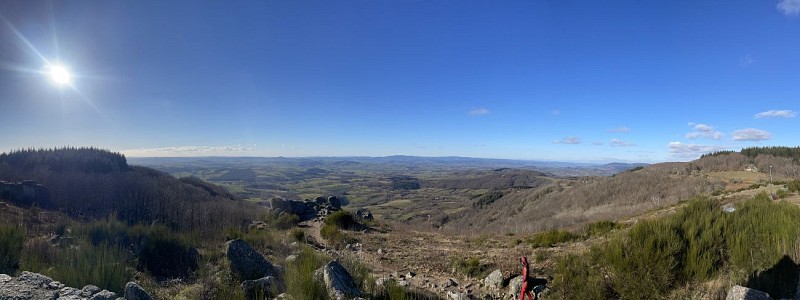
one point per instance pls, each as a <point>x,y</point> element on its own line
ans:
<point>94,183</point>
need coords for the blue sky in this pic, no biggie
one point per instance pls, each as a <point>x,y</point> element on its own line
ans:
<point>553,80</point>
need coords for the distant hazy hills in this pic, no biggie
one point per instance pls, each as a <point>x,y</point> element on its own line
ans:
<point>556,168</point>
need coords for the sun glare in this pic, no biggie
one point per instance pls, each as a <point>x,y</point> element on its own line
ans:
<point>59,75</point>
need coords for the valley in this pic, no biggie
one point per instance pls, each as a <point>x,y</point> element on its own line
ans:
<point>436,230</point>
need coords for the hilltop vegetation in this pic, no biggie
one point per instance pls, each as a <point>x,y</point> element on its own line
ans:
<point>757,246</point>
<point>93,183</point>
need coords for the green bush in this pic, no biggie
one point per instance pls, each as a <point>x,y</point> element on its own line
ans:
<point>470,267</point>
<point>342,220</point>
<point>551,238</point>
<point>578,277</point>
<point>300,281</point>
<point>38,255</point>
<point>334,236</point>
<point>286,221</point>
<point>110,231</point>
<point>793,185</point>
<point>164,255</point>
<point>755,245</point>
<point>11,242</point>
<point>160,251</point>
<point>761,232</point>
<point>701,226</point>
<point>298,235</point>
<point>646,262</point>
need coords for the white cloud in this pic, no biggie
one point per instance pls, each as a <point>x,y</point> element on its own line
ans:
<point>621,143</point>
<point>188,150</point>
<point>620,129</point>
<point>479,111</point>
<point>597,143</point>
<point>774,113</point>
<point>691,151</point>
<point>568,140</point>
<point>751,134</point>
<point>703,131</point>
<point>789,7</point>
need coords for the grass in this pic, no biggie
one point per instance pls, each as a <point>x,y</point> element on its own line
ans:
<point>551,238</point>
<point>11,242</point>
<point>103,266</point>
<point>470,267</point>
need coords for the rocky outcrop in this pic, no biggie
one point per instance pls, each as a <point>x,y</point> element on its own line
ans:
<point>738,292</point>
<point>25,193</point>
<point>34,286</point>
<point>339,282</point>
<point>135,292</point>
<point>246,263</point>
<point>307,209</point>
<point>364,214</point>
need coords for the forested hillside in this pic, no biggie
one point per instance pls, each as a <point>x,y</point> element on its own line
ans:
<point>91,183</point>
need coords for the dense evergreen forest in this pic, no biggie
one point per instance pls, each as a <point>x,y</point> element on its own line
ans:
<point>753,152</point>
<point>94,183</point>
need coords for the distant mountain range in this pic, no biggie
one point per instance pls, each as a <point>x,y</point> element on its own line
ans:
<point>565,169</point>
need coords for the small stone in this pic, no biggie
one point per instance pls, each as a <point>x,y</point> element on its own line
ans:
<point>383,281</point>
<point>261,286</point>
<point>411,275</point>
<point>135,292</point>
<point>55,285</point>
<point>104,295</point>
<point>450,283</point>
<point>90,290</point>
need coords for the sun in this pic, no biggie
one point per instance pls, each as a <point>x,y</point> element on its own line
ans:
<point>59,74</point>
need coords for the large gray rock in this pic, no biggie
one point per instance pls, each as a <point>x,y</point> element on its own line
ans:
<point>246,263</point>
<point>494,280</point>
<point>135,292</point>
<point>25,193</point>
<point>335,202</point>
<point>339,282</point>
<point>738,292</point>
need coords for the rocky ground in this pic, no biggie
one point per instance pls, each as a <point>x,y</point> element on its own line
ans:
<point>34,286</point>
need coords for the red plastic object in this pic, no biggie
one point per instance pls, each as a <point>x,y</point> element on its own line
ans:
<point>524,289</point>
